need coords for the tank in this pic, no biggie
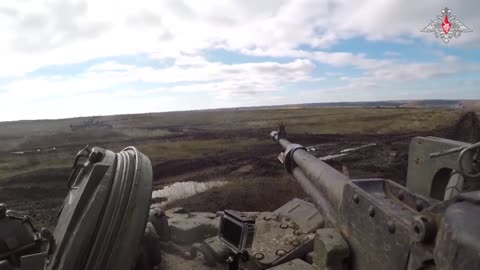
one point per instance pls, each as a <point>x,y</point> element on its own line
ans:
<point>90,123</point>
<point>108,221</point>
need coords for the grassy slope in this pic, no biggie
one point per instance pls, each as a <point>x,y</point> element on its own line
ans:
<point>152,133</point>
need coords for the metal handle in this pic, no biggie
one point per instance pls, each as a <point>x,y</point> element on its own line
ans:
<point>82,153</point>
<point>447,152</point>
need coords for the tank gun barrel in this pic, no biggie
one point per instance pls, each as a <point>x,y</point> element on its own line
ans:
<point>323,183</point>
<point>371,214</point>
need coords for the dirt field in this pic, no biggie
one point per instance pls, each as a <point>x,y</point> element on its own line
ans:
<point>229,146</point>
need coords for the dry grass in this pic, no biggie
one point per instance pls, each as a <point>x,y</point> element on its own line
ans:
<point>190,149</point>
<point>16,164</point>
<point>352,120</point>
<point>313,120</point>
<point>147,132</point>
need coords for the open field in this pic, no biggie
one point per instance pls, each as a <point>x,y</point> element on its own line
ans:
<point>192,134</point>
<point>227,145</point>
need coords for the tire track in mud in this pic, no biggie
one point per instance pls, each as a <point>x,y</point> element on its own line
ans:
<point>40,193</point>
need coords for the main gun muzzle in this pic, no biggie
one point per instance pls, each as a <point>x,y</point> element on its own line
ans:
<point>320,181</point>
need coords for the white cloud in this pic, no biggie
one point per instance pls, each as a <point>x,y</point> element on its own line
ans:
<point>40,33</point>
<point>379,82</point>
<point>203,71</point>
<point>196,75</point>
<point>377,19</point>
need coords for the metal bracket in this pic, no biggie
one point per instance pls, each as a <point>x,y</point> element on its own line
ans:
<point>465,167</point>
<point>289,162</point>
<point>431,161</point>
<point>330,249</point>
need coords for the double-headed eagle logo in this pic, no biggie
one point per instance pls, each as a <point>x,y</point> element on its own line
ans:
<point>446,26</point>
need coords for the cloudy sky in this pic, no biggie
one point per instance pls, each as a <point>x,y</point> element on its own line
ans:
<point>64,58</point>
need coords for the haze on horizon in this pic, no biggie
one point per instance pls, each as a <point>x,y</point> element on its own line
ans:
<point>68,58</point>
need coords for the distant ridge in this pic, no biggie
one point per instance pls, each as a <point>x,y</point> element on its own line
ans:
<point>426,103</point>
<point>440,103</point>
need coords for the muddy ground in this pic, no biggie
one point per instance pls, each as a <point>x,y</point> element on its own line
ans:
<point>257,181</point>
